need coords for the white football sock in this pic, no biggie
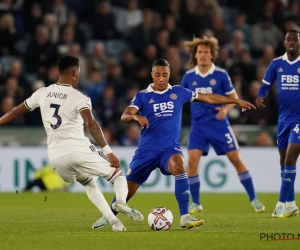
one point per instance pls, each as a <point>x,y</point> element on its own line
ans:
<point>291,204</point>
<point>120,187</point>
<point>96,196</point>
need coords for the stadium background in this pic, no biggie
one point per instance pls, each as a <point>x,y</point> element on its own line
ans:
<point>116,42</point>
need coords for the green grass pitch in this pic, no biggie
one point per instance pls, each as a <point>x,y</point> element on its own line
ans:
<point>63,221</point>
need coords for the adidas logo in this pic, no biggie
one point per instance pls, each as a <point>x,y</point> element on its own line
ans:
<point>151,101</point>
<point>186,192</point>
<point>287,179</point>
<point>280,70</point>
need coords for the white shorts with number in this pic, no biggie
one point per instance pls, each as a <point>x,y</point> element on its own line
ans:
<point>80,166</point>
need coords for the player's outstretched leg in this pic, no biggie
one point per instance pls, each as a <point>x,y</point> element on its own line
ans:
<point>194,181</point>
<point>182,192</point>
<point>96,197</point>
<point>245,179</point>
<point>118,205</point>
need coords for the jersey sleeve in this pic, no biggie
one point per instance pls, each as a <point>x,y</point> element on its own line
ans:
<point>270,75</point>
<point>33,101</point>
<point>227,84</point>
<point>188,95</point>
<point>184,82</point>
<point>137,102</point>
<point>85,103</point>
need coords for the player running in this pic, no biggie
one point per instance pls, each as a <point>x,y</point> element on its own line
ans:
<point>210,125</point>
<point>285,70</point>
<point>160,107</point>
<point>63,110</point>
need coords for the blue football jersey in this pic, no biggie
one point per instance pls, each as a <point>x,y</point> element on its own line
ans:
<point>287,75</point>
<point>216,81</point>
<point>163,111</point>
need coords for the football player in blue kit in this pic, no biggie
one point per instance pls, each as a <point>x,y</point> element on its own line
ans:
<point>210,125</point>
<point>160,107</point>
<point>286,69</point>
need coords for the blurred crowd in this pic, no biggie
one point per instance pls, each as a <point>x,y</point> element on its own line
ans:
<point>117,41</point>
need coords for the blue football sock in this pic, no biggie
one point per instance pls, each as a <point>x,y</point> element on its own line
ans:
<point>287,182</point>
<point>194,182</point>
<point>182,193</point>
<point>282,170</point>
<point>246,180</point>
<point>114,199</point>
<point>291,196</point>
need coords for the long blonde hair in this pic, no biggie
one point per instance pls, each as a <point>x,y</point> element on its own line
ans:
<point>192,46</point>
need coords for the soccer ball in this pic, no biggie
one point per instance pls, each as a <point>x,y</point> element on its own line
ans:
<point>160,219</point>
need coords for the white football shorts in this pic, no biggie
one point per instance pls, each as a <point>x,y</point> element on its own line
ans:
<point>80,166</point>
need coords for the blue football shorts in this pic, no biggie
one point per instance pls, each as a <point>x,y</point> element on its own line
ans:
<point>287,133</point>
<point>145,161</point>
<point>221,138</point>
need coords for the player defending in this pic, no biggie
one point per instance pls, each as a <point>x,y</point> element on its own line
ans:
<point>160,107</point>
<point>63,110</point>
<point>285,70</point>
<point>210,125</point>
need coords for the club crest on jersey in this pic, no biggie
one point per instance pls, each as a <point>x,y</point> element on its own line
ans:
<point>173,96</point>
<point>129,171</point>
<point>212,82</point>
<point>281,70</point>
<point>298,70</point>
<point>194,83</point>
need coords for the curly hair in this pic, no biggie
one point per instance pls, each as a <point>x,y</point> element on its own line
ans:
<point>192,46</point>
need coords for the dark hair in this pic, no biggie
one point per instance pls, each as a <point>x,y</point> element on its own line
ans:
<point>160,62</point>
<point>293,31</point>
<point>66,62</point>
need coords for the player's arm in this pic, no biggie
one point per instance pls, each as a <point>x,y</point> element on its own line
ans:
<point>14,114</point>
<point>130,115</point>
<point>229,91</point>
<point>223,111</point>
<point>268,81</point>
<point>218,99</point>
<point>95,130</point>
<point>230,106</point>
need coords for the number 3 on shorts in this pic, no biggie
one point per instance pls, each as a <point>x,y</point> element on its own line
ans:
<point>229,138</point>
<point>296,129</point>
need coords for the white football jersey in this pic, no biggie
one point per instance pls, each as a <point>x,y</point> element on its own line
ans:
<point>60,106</point>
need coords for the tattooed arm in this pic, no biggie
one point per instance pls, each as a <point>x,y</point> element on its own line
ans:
<point>95,130</point>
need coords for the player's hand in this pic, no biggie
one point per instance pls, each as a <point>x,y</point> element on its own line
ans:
<point>143,121</point>
<point>222,113</point>
<point>114,161</point>
<point>260,102</point>
<point>245,105</point>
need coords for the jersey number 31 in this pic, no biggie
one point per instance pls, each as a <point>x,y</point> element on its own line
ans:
<point>56,116</point>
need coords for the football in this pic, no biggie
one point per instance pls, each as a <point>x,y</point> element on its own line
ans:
<point>160,219</point>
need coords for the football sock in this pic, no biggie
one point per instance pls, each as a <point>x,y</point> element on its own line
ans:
<point>120,187</point>
<point>182,193</point>
<point>96,197</point>
<point>246,180</point>
<point>194,182</point>
<point>287,182</point>
<point>291,197</point>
